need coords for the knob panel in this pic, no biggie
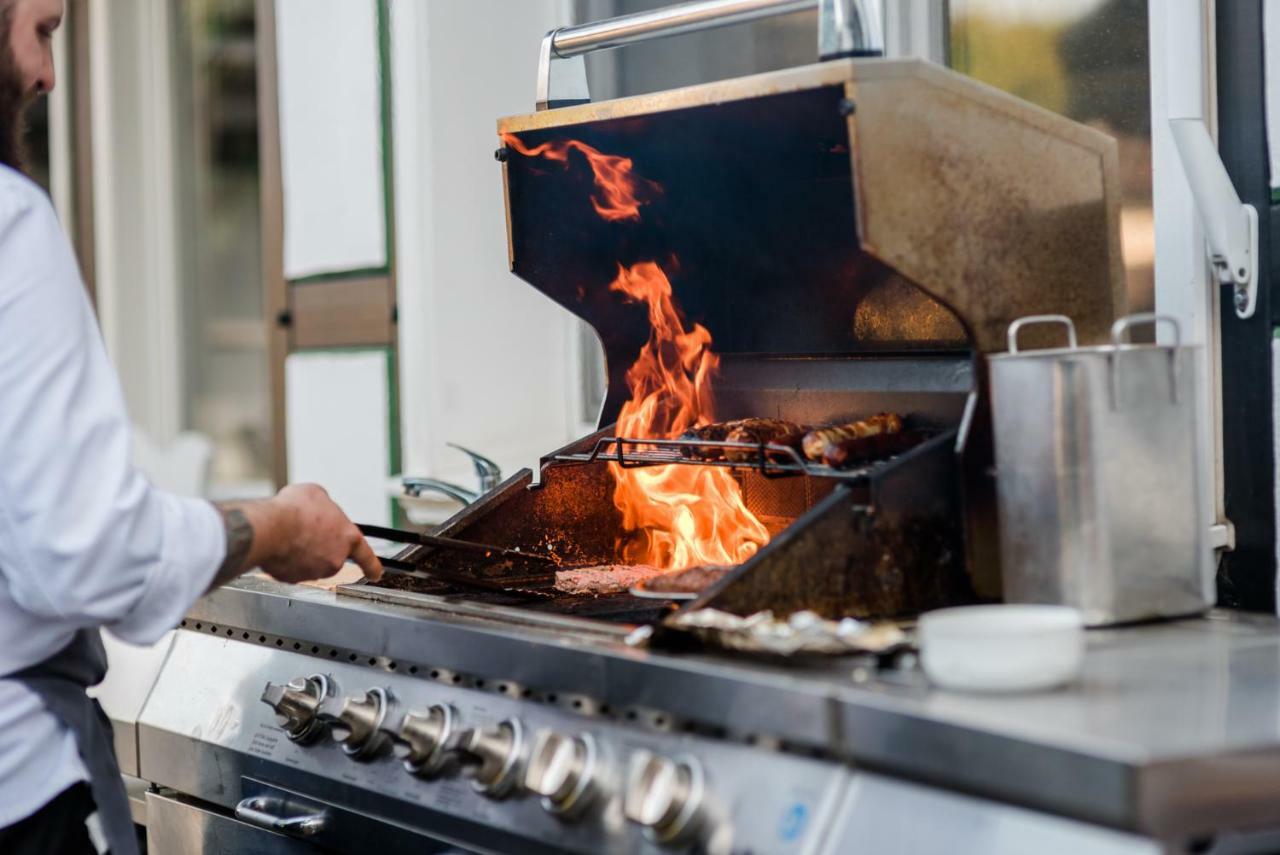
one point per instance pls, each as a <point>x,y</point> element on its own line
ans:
<point>297,705</point>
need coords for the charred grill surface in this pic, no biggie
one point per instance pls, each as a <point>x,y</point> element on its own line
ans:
<point>888,546</point>
<point>614,608</point>
<point>895,551</point>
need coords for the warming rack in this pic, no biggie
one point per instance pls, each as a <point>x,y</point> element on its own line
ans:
<point>769,459</point>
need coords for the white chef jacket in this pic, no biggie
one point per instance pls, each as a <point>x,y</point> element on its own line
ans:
<point>85,540</point>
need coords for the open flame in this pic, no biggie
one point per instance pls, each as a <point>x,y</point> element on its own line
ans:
<point>680,516</point>
<point>620,191</point>
<point>675,516</point>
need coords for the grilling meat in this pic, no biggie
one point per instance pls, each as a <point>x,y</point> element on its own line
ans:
<point>692,580</point>
<point>603,578</point>
<point>839,446</point>
<point>770,431</point>
<point>851,452</point>
<point>714,432</point>
<point>815,442</point>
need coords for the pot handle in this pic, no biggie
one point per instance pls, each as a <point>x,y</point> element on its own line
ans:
<point>1120,329</point>
<point>1120,337</point>
<point>1031,320</point>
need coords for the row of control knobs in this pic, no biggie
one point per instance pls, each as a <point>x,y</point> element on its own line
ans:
<point>662,795</point>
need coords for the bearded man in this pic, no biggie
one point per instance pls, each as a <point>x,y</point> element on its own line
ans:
<point>86,542</point>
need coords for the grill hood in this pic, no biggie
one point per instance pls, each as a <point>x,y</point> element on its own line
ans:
<point>850,207</point>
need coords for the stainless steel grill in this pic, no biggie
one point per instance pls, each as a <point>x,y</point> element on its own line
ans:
<point>854,236</point>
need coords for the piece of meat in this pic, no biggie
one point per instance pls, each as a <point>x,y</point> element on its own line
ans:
<point>714,432</point>
<point>815,442</point>
<point>692,580</point>
<point>753,430</point>
<point>768,431</point>
<point>603,578</point>
<point>851,452</point>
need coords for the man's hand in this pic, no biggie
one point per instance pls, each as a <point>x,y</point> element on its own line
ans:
<point>297,536</point>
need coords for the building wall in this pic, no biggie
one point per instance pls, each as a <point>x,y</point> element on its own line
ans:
<point>486,361</point>
<point>138,297</point>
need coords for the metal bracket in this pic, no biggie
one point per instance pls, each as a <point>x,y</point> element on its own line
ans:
<point>562,80</point>
<point>850,28</point>
<point>1231,227</point>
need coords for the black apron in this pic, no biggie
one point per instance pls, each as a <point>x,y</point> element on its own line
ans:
<point>61,681</point>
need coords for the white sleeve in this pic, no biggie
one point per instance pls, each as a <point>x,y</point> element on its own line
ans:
<point>84,538</point>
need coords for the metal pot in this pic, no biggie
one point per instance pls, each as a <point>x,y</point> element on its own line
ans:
<point>1099,479</point>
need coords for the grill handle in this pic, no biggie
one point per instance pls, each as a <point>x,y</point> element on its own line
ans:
<point>277,814</point>
<point>845,28</point>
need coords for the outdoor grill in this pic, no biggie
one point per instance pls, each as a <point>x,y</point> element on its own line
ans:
<point>813,245</point>
<point>855,237</point>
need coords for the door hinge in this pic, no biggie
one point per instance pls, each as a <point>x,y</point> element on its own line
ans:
<point>1230,226</point>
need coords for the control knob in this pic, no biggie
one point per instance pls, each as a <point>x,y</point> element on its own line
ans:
<point>297,705</point>
<point>491,757</point>
<point>420,741</point>
<point>563,769</point>
<point>664,796</point>
<point>356,722</point>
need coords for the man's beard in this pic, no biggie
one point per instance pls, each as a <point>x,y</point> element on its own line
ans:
<point>13,102</point>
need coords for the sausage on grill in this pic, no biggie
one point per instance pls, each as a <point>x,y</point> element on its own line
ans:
<point>851,452</point>
<point>815,442</point>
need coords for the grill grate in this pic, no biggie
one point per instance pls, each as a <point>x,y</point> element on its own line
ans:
<point>769,460</point>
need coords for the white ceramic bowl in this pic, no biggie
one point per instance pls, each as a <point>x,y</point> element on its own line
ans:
<point>1004,648</point>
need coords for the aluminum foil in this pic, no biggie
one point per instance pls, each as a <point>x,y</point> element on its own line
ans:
<point>803,632</point>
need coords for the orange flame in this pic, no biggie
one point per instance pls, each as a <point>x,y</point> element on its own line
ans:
<point>620,190</point>
<point>676,516</point>
<point>682,516</point>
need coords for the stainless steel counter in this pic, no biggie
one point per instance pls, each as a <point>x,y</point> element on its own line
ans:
<point>1173,730</point>
<point>1174,727</point>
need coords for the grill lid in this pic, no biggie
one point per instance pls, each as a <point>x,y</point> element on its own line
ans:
<point>852,207</point>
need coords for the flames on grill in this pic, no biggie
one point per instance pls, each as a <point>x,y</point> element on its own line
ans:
<point>620,191</point>
<point>674,516</point>
<point>681,516</point>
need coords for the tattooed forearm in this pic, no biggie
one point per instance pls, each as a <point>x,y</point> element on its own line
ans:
<point>239,542</point>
